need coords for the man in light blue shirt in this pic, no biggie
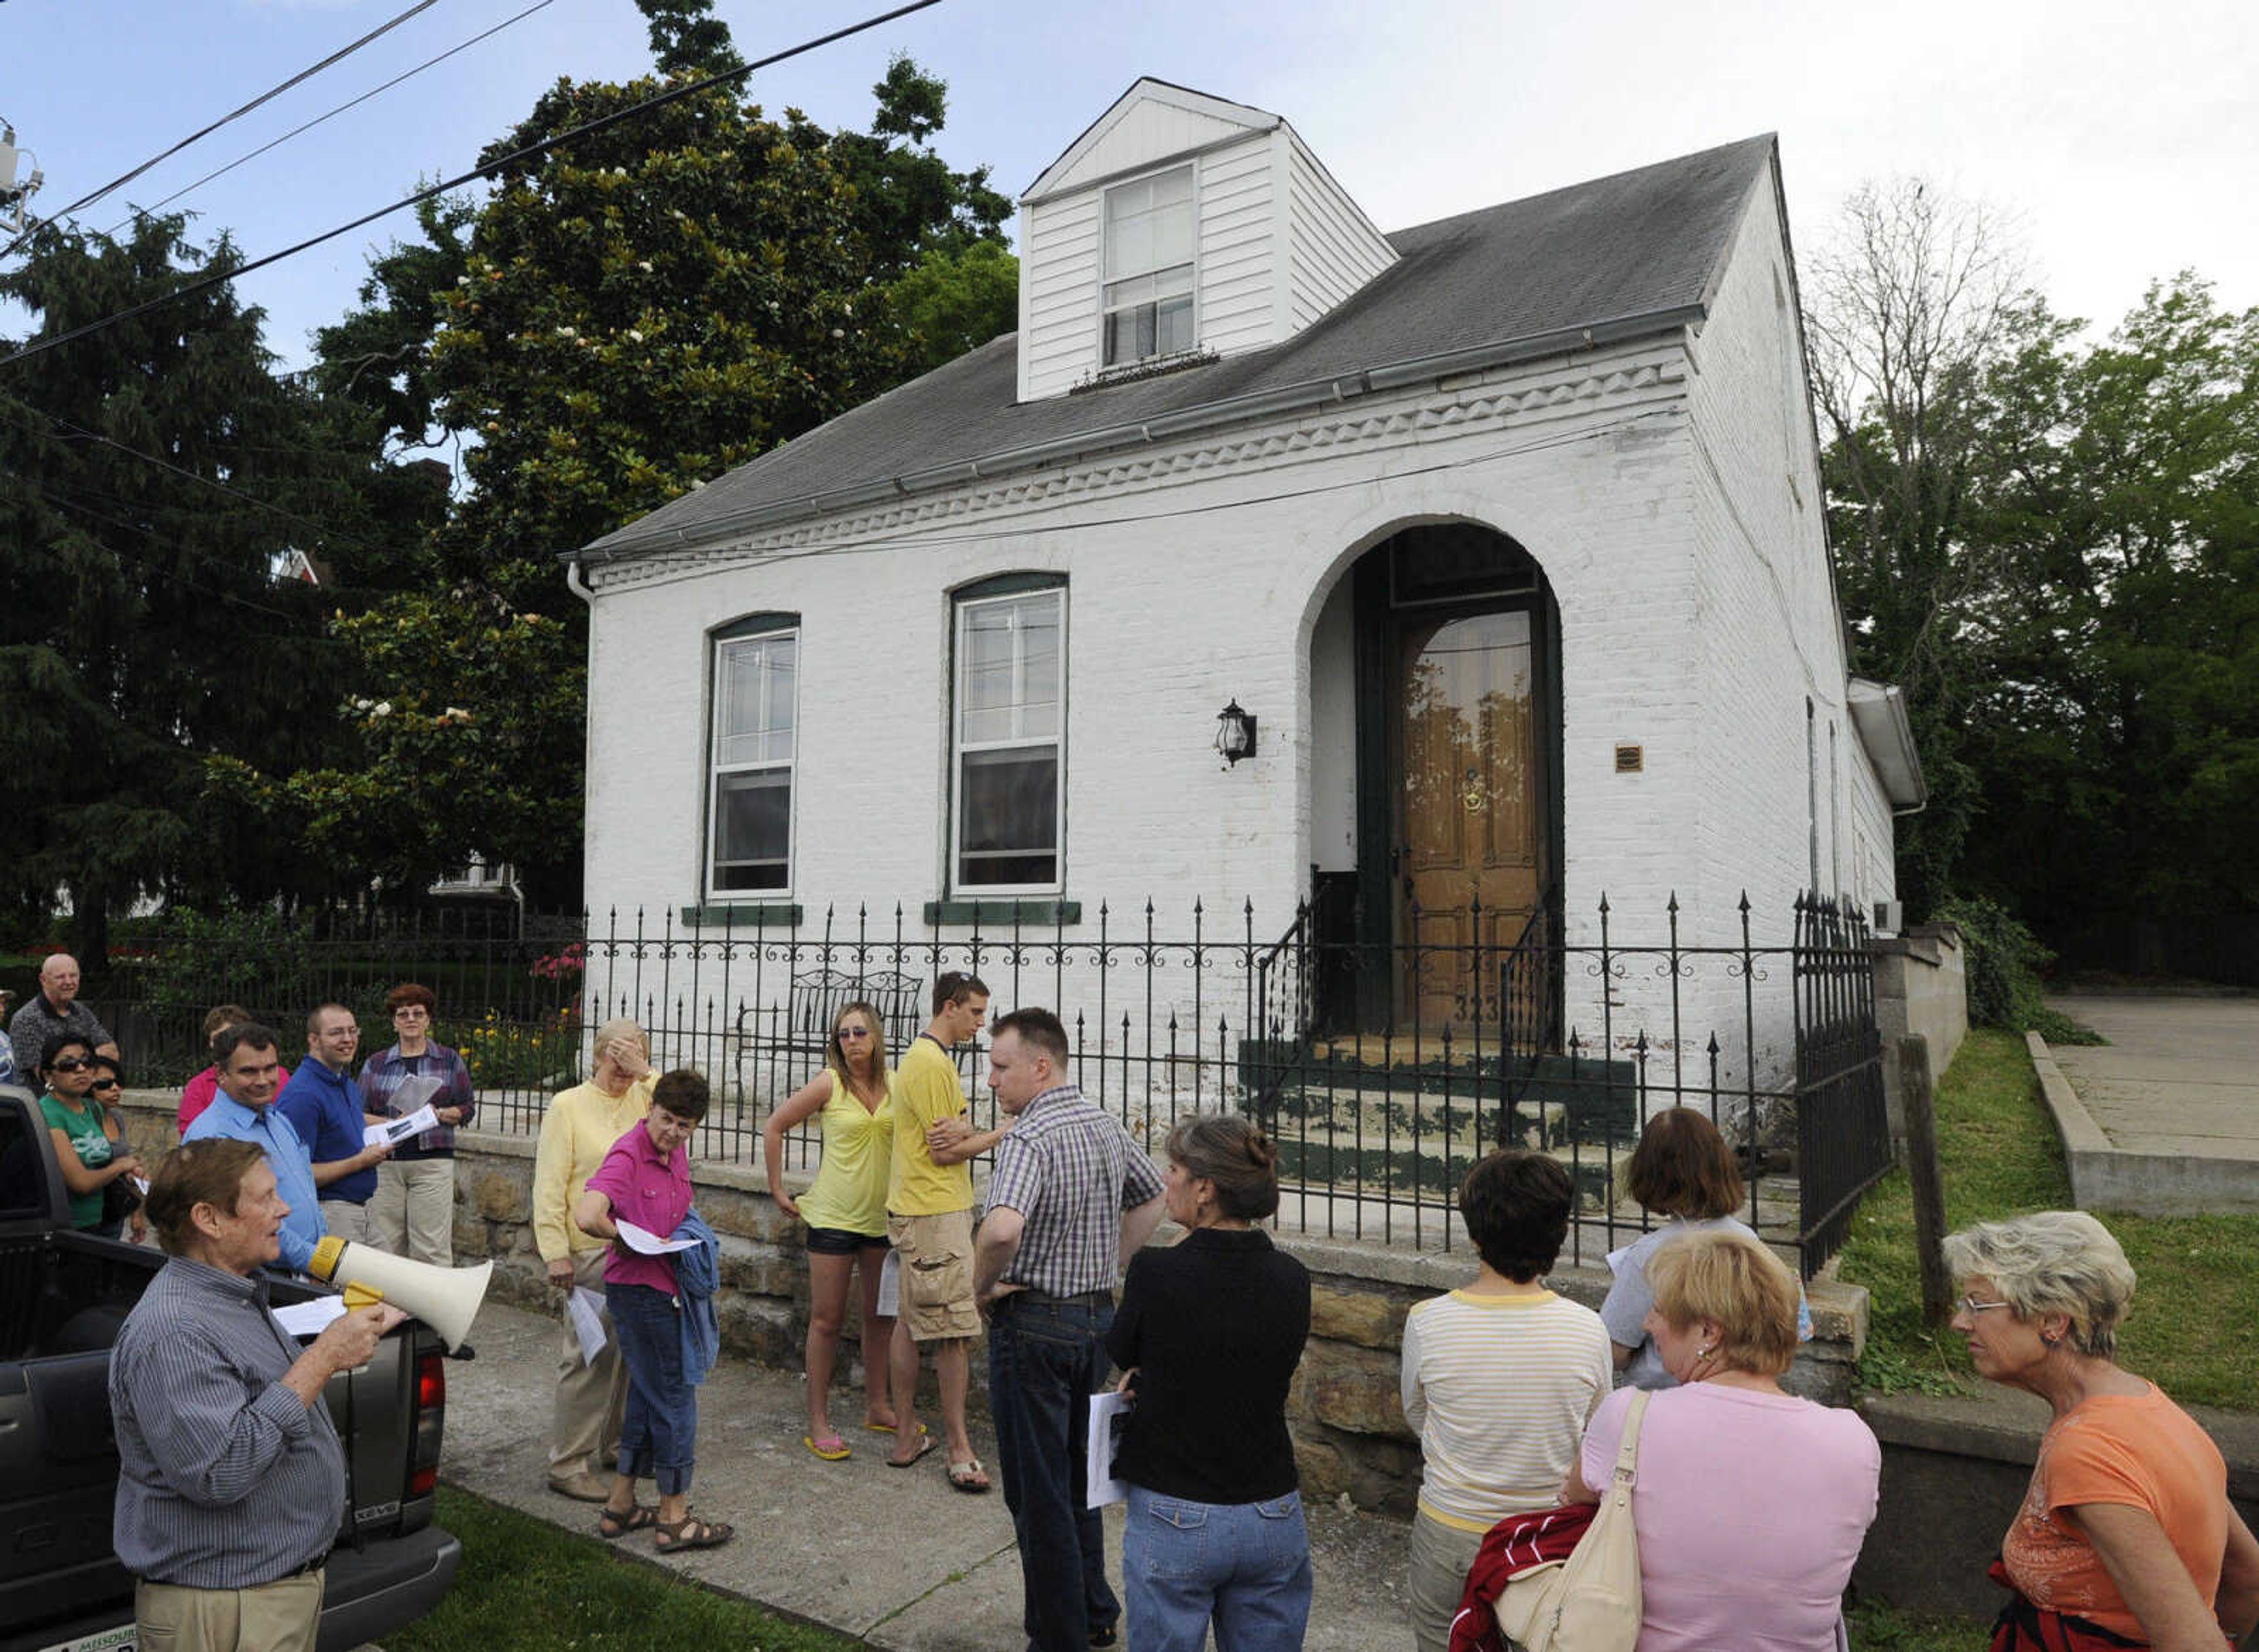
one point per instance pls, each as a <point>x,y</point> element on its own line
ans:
<point>249,1060</point>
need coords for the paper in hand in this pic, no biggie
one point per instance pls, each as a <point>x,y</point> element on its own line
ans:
<point>890,1284</point>
<point>642,1241</point>
<point>311,1317</point>
<point>394,1131</point>
<point>585,1308</point>
<point>1108,1411</point>
<point>416,1091</point>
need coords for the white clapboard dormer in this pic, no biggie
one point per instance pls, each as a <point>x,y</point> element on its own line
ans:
<point>1180,227</point>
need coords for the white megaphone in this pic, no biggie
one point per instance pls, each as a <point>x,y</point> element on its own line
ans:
<point>445,1298</point>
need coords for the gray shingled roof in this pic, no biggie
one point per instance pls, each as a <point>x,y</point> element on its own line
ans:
<point>1633,253</point>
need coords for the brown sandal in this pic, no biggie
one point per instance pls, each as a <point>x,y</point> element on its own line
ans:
<point>611,1525</point>
<point>690,1532</point>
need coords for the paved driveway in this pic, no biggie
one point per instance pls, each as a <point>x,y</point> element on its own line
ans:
<point>2178,1076</point>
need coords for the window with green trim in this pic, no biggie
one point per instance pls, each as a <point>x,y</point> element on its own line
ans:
<point>749,843</point>
<point>1008,804</point>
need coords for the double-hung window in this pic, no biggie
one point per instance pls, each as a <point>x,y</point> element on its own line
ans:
<point>756,675</point>
<point>1148,233</point>
<point>1009,741</point>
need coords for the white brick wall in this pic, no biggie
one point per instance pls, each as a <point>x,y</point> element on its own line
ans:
<point>1696,617</point>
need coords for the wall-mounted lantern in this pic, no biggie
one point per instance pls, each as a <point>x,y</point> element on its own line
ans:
<point>1235,733</point>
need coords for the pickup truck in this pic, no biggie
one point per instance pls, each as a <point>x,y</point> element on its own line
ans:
<point>64,1295</point>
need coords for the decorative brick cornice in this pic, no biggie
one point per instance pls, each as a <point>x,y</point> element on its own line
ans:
<point>1515,398</point>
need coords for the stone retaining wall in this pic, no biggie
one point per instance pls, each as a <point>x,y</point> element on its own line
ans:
<point>1347,1419</point>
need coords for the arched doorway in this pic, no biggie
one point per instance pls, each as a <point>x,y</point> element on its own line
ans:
<point>1458,737</point>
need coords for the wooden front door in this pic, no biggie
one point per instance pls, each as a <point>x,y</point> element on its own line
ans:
<point>1472,833</point>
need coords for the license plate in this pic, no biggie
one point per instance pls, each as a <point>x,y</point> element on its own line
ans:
<point>118,1639</point>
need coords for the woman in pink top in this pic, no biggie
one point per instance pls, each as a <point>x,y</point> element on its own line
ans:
<point>1750,1503</point>
<point>644,1180</point>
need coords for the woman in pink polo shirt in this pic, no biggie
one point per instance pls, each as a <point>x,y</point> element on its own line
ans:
<point>1751,1503</point>
<point>646,1180</point>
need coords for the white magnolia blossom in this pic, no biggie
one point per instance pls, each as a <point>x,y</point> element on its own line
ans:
<point>383,708</point>
<point>635,335</point>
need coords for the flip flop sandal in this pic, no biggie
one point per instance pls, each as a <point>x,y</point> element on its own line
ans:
<point>925,1445</point>
<point>831,1447</point>
<point>968,1477</point>
<point>887,1427</point>
<point>691,1533</point>
<point>611,1527</point>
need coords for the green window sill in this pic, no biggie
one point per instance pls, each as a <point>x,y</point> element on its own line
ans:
<point>762,914</point>
<point>1004,911</point>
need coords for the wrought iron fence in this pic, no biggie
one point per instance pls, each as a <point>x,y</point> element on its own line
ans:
<point>1383,1070</point>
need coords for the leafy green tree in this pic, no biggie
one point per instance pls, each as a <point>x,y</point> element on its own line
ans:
<point>379,355</point>
<point>951,301</point>
<point>144,626</point>
<point>685,36</point>
<point>624,317</point>
<point>2116,726</point>
<point>1912,301</point>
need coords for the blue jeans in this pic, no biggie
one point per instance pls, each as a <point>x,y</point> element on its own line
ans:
<point>1045,1359</point>
<point>1245,1564</point>
<point>658,1436</point>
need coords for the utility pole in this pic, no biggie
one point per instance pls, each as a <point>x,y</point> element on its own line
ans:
<point>14,198</point>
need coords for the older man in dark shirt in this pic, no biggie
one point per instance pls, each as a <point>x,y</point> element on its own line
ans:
<point>214,1403</point>
<point>53,1009</point>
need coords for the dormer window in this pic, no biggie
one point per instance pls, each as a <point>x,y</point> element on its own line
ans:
<point>1149,233</point>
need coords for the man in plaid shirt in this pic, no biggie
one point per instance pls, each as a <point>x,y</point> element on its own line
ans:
<point>1071,1200</point>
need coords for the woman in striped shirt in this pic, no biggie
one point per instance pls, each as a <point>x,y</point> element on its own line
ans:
<point>1499,1377</point>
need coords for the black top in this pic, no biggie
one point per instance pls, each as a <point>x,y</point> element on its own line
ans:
<point>1215,1327</point>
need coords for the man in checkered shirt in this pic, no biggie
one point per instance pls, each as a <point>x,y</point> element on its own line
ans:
<point>1071,1200</point>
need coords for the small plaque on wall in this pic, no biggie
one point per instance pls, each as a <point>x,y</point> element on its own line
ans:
<point>1630,759</point>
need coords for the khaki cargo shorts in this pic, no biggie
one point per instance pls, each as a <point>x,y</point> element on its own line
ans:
<point>935,1285</point>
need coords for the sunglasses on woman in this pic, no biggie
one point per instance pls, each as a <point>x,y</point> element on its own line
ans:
<point>68,1064</point>
<point>107,1084</point>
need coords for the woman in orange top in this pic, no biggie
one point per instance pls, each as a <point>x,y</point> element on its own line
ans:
<point>2127,1526</point>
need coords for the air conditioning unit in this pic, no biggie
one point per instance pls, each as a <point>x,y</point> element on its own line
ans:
<point>1890,916</point>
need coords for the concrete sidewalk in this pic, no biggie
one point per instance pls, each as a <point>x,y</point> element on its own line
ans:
<point>895,1558</point>
<point>2164,1118</point>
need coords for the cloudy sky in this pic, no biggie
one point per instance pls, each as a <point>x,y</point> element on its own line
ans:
<point>2122,137</point>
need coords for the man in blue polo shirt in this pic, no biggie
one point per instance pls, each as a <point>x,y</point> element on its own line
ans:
<point>322,1104</point>
<point>249,1060</point>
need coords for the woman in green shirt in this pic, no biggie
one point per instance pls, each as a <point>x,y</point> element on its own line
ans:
<point>846,1210</point>
<point>87,1143</point>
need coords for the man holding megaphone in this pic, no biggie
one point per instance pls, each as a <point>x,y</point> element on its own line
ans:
<point>215,1406</point>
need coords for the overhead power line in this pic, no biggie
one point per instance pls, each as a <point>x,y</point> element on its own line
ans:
<point>374,91</point>
<point>269,95</point>
<point>531,151</point>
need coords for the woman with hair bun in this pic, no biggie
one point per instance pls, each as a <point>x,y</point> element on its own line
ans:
<point>1208,1333</point>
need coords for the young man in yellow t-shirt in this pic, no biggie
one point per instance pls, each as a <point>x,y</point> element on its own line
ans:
<point>930,1224</point>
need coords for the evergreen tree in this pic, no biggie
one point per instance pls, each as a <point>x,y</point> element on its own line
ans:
<point>145,624</point>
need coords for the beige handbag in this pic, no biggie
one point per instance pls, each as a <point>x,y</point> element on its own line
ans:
<point>1590,1601</point>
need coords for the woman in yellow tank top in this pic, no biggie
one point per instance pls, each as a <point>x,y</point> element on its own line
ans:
<point>846,1210</point>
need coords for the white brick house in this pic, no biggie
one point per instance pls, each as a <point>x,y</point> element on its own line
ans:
<point>1507,529</point>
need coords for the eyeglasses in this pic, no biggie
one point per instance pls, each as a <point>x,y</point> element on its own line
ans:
<point>410,1012</point>
<point>68,1064</point>
<point>107,1084</point>
<point>1970,1305</point>
<point>851,1032</point>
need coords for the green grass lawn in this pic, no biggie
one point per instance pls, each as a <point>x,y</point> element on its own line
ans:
<point>2194,1328</point>
<point>1875,1627</point>
<point>525,1584</point>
